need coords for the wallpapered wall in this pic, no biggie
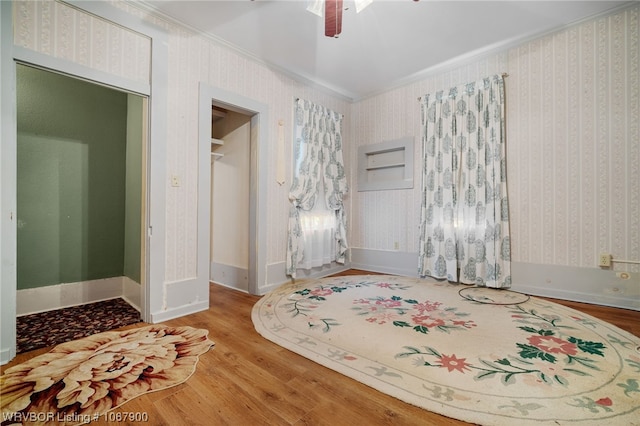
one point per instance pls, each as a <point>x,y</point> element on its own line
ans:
<point>573,155</point>
<point>575,162</point>
<point>193,59</point>
<point>573,147</point>
<point>62,31</point>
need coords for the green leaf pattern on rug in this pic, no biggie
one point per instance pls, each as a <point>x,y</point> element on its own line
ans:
<point>593,406</point>
<point>630,386</point>
<point>634,362</point>
<point>547,358</point>
<point>447,394</point>
<point>532,316</point>
<point>523,409</point>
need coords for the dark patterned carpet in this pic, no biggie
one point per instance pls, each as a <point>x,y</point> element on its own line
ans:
<point>44,329</point>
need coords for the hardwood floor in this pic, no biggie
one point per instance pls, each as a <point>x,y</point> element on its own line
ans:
<point>247,380</point>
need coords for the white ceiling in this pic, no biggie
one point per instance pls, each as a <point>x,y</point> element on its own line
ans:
<point>389,43</point>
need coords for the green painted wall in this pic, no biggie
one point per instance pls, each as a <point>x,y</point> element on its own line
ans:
<point>133,195</point>
<point>71,179</point>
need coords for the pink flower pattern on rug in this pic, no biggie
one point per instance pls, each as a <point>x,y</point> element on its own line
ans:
<point>527,362</point>
<point>424,316</point>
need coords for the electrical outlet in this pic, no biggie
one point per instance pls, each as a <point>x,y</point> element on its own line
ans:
<point>396,246</point>
<point>175,180</point>
<point>604,260</point>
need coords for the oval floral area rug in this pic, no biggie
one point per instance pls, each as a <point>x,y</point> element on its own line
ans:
<point>486,356</point>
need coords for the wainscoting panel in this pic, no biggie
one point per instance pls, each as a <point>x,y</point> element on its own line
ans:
<point>182,297</point>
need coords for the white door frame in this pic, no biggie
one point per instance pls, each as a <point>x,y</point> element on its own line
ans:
<point>152,289</point>
<point>257,186</point>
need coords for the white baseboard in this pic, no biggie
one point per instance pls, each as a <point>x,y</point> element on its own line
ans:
<point>179,311</point>
<point>588,285</point>
<point>132,293</point>
<point>276,274</point>
<point>229,276</point>
<point>384,261</point>
<point>6,355</point>
<point>182,297</point>
<point>578,284</point>
<point>42,299</point>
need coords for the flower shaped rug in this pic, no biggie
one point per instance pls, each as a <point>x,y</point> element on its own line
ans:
<point>80,381</point>
<point>528,363</point>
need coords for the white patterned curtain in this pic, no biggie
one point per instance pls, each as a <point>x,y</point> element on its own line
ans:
<point>317,230</point>
<point>464,233</point>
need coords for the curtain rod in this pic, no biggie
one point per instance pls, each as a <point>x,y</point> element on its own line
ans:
<point>504,75</point>
<point>295,99</point>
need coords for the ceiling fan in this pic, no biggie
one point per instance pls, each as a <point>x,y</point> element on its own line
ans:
<point>333,13</point>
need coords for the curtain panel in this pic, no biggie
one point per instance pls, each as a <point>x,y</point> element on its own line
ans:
<point>318,161</point>
<point>464,232</point>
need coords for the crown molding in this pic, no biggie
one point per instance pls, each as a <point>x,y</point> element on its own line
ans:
<point>351,97</point>
<point>300,78</point>
<point>491,50</point>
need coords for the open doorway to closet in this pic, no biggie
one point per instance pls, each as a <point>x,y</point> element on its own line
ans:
<point>230,197</point>
<point>81,189</point>
<point>255,172</point>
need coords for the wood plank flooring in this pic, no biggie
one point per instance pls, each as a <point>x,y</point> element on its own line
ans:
<point>247,380</point>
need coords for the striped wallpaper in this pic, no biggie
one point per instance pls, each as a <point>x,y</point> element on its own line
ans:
<point>64,32</point>
<point>573,147</point>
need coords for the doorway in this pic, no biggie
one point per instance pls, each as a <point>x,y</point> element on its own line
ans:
<point>81,190</point>
<point>230,181</point>
<point>154,292</point>
<point>257,113</point>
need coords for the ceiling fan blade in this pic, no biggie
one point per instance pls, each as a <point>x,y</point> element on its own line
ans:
<point>332,18</point>
<point>316,7</point>
<point>361,4</point>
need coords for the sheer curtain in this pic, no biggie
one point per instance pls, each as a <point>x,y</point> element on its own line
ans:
<point>464,233</point>
<point>317,222</point>
<point>318,228</point>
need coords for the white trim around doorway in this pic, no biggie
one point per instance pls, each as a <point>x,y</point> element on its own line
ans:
<point>153,289</point>
<point>258,111</point>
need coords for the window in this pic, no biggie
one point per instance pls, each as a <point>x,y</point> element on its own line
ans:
<point>317,229</point>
